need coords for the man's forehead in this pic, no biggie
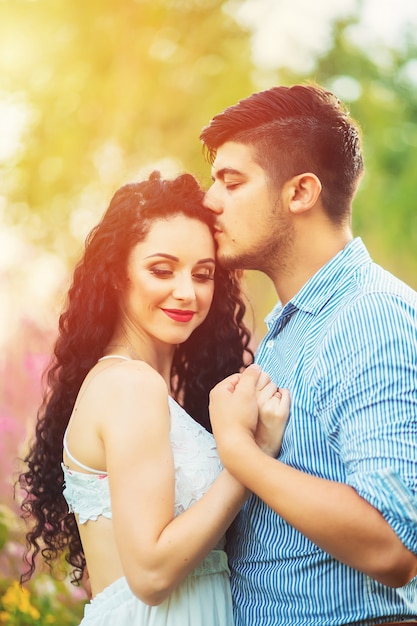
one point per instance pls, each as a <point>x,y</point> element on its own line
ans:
<point>232,158</point>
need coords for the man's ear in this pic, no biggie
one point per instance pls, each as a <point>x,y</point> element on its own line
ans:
<point>303,192</point>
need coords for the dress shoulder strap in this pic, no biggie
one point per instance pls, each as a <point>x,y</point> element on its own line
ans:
<point>71,456</point>
<point>76,462</point>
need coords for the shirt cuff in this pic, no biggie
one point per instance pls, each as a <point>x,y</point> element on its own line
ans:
<point>385,491</point>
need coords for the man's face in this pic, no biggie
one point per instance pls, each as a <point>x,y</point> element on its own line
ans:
<point>250,223</point>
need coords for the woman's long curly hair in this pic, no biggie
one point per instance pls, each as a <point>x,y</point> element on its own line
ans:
<point>217,348</point>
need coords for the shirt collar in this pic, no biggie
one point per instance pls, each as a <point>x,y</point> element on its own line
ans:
<point>313,296</point>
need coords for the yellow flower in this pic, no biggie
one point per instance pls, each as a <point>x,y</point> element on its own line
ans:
<point>18,598</point>
<point>4,617</point>
<point>11,597</point>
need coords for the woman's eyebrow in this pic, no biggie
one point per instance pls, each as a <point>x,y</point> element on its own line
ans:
<point>164,255</point>
<point>171,257</point>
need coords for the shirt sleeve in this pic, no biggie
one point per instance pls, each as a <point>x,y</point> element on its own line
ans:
<point>367,403</point>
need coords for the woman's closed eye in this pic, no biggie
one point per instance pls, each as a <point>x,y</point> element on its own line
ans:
<point>161,272</point>
<point>199,275</point>
<point>203,276</point>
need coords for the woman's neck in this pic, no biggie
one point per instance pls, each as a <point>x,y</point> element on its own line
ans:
<point>160,358</point>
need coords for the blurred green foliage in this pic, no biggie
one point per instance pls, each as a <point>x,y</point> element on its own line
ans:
<point>385,212</point>
<point>45,600</point>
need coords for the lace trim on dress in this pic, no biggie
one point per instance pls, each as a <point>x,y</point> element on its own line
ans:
<point>196,460</point>
<point>214,563</point>
<point>88,495</point>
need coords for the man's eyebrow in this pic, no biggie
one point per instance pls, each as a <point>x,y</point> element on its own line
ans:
<point>224,171</point>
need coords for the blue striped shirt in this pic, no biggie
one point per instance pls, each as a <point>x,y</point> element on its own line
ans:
<point>346,347</point>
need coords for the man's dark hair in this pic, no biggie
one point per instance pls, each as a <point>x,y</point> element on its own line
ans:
<point>293,130</point>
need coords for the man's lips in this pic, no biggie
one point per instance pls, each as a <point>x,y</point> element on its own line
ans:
<point>178,315</point>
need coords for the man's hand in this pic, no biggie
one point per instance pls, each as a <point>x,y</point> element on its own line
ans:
<point>274,409</point>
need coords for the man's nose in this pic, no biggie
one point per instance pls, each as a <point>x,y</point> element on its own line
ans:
<point>211,202</point>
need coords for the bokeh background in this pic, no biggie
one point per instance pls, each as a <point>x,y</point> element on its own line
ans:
<point>97,93</point>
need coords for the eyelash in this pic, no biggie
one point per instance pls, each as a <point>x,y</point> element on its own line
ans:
<point>231,186</point>
<point>168,273</point>
<point>160,273</point>
<point>203,277</point>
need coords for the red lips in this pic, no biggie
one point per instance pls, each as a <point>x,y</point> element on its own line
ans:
<point>179,315</point>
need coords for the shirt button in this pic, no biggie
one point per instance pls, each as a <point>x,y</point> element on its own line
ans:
<point>270,344</point>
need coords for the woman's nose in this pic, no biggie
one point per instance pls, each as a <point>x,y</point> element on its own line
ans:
<point>184,288</point>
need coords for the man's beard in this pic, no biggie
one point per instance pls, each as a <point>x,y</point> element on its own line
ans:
<point>241,262</point>
<point>268,257</point>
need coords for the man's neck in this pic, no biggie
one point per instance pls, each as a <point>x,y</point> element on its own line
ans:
<point>307,258</point>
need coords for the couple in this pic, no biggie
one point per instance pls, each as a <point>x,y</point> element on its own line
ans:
<point>321,519</point>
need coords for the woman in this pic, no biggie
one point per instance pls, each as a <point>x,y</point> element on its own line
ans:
<point>151,325</point>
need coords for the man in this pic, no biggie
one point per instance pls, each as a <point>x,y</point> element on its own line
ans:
<point>329,535</point>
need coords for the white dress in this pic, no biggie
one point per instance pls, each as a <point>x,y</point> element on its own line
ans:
<point>203,598</point>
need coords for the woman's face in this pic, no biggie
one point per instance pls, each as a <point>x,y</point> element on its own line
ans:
<point>170,280</point>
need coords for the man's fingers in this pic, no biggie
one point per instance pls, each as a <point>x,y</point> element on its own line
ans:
<point>263,381</point>
<point>267,392</point>
<point>270,392</point>
<point>284,397</point>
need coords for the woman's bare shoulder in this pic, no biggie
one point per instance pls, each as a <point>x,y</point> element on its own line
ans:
<point>123,379</point>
